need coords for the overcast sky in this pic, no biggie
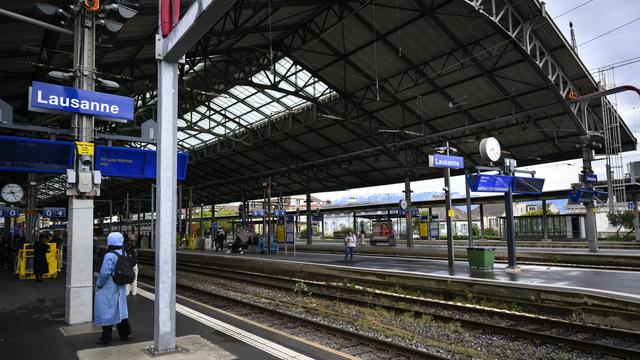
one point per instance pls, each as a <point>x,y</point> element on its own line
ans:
<point>591,20</point>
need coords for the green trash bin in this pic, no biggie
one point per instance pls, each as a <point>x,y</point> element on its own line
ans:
<point>481,257</point>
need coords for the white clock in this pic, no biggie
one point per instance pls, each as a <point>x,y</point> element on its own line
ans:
<point>403,204</point>
<point>12,193</point>
<point>490,150</point>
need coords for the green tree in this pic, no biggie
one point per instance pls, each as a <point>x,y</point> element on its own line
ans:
<point>475,230</point>
<point>539,213</point>
<point>622,219</point>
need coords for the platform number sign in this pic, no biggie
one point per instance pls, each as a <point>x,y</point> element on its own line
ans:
<point>54,213</point>
<point>9,212</point>
<point>631,205</point>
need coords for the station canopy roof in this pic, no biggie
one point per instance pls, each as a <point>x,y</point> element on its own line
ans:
<point>323,95</point>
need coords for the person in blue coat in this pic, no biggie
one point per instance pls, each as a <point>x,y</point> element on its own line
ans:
<point>111,299</point>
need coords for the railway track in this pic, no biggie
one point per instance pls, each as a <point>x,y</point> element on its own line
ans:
<point>590,338</point>
<point>337,338</point>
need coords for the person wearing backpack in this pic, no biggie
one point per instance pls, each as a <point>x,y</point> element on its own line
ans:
<point>110,307</point>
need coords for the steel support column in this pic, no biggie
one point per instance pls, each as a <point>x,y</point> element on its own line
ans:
<point>164,339</point>
<point>481,221</point>
<point>355,223</point>
<point>79,282</point>
<point>636,219</point>
<point>408,215</point>
<point>190,215</point>
<point>269,214</point>
<point>152,229</point>
<point>179,209</point>
<point>545,221</point>
<point>110,215</point>
<point>448,209</point>
<point>510,230</point>
<point>590,209</point>
<point>309,234</point>
<point>469,219</point>
<point>31,215</point>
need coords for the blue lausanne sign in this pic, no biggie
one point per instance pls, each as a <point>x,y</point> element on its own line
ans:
<point>446,161</point>
<point>68,99</point>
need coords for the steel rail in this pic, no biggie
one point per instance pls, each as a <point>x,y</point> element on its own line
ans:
<point>366,339</point>
<point>506,330</point>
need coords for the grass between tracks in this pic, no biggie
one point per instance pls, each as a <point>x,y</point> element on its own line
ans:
<point>389,325</point>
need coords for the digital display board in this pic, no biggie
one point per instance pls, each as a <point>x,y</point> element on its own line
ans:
<point>35,155</point>
<point>525,185</point>
<point>116,161</point>
<point>489,183</point>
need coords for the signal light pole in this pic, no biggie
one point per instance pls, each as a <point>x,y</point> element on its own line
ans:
<point>81,187</point>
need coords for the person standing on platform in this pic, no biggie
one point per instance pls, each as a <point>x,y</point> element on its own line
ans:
<point>350,247</point>
<point>220,239</point>
<point>40,264</point>
<point>132,253</point>
<point>110,306</point>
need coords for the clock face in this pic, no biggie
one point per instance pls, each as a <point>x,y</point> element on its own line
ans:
<point>490,149</point>
<point>403,204</point>
<point>12,193</point>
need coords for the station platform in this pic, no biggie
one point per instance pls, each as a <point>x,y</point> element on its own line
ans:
<point>33,327</point>
<point>611,258</point>
<point>612,283</point>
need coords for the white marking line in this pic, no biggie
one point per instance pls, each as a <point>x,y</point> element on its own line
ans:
<point>265,345</point>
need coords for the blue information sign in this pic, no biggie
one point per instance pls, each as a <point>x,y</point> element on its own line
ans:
<point>35,155</point>
<point>9,212</point>
<point>591,177</point>
<point>502,183</point>
<point>582,195</point>
<point>69,99</point>
<point>401,212</point>
<point>631,205</point>
<point>54,213</point>
<point>132,163</point>
<point>279,212</point>
<point>257,213</point>
<point>489,183</point>
<point>446,161</point>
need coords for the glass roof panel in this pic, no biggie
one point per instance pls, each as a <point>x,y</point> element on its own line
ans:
<point>245,106</point>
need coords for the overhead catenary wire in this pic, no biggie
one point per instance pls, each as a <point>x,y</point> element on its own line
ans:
<point>610,31</point>
<point>573,9</point>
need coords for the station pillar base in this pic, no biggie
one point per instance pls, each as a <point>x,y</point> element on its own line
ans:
<point>191,347</point>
